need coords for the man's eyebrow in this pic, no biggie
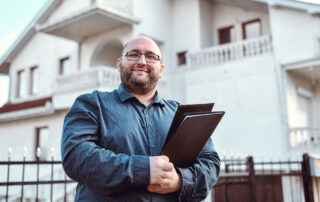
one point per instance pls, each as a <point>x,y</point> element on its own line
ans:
<point>139,51</point>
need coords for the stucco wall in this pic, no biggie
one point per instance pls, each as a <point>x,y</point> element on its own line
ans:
<point>186,34</point>
<point>94,44</point>
<point>248,92</point>
<point>67,7</point>
<point>44,51</point>
<point>296,116</point>
<point>21,133</point>
<point>156,23</point>
<point>225,15</point>
<point>206,12</point>
<point>295,34</point>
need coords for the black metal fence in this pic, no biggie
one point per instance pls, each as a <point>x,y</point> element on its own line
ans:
<point>243,179</point>
<point>25,178</point>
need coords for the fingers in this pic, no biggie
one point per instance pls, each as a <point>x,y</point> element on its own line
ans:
<point>160,168</point>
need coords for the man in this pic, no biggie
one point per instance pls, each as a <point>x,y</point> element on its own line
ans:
<point>112,141</point>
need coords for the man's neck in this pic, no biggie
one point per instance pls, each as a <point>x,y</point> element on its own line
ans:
<point>145,99</point>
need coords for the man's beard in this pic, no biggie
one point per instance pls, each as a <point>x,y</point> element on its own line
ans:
<point>137,86</point>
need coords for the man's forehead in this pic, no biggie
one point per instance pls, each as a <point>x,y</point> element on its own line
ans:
<point>143,44</point>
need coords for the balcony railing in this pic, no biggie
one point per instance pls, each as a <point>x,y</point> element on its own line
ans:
<point>94,78</point>
<point>230,52</point>
<point>305,137</point>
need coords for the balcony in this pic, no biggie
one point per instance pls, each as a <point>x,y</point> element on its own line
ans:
<point>305,137</point>
<point>97,17</point>
<point>230,52</point>
<point>68,87</point>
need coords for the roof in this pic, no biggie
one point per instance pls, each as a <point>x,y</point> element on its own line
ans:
<point>24,37</point>
<point>25,105</point>
<point>295,4</point>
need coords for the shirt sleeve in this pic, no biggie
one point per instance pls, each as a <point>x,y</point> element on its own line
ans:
<point>91,165</point>
<point>199,179</point>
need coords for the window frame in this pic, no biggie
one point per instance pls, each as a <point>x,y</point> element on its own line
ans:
<point>37,143</point>
<point>181,58</point>
<point>220,30</point>
<point>61,61</point>
<point>18,83</point>
<point>31,80</point>
<point>244,33</point>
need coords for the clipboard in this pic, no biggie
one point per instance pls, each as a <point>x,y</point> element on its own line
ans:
<point>184,146</point>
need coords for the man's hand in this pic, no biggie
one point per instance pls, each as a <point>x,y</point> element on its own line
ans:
<point>163,176</point>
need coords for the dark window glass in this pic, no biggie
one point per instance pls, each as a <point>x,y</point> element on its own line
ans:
<point>182,60</point>
<point>34,80</point>
<point>42,142</point>
<point>65,66</point>
<point>226,35</point>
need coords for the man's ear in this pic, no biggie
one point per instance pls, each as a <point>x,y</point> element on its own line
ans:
<point>161,69</point>
<point>118,63</point>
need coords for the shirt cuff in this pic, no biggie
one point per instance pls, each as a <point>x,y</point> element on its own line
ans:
<point>187,183</point>
<point>141,170</point>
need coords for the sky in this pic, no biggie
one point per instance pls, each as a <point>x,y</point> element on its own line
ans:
<point>15,15</point>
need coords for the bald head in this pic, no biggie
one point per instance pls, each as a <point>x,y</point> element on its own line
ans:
<point>142,43</point>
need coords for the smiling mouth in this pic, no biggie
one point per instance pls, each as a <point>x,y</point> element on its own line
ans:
<point>140,70</point>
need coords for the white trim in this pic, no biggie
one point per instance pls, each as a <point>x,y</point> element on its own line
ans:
<point>27,113</point>
<point>110,12</point>
<point>24,37</point>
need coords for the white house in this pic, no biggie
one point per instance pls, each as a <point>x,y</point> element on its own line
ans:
<point>258,60</point>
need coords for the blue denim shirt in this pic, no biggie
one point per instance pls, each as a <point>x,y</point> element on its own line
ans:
<point>106,143</point>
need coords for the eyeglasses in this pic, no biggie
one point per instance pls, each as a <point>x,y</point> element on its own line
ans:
<point>135,56</point>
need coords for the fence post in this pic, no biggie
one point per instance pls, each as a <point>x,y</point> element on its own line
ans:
<point>252,185</point>
<point>307,180</point>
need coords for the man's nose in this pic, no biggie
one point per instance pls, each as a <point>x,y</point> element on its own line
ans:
<point>142,59</point>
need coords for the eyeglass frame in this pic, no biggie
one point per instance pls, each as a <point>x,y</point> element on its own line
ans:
<point>125,55</point>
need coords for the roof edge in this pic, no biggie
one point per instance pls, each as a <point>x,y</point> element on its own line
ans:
<point>27,33</point>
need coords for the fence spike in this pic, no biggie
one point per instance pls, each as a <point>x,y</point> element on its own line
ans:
<point>53,150</point>
<point>25,151</point>
<point>9,151</point>
<point>38,152</point>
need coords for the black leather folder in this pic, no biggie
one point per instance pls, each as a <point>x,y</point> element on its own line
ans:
<point>190,135</point>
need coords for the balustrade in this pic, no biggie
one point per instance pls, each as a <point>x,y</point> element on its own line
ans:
<point>230,52</point>
<point>304,137</point>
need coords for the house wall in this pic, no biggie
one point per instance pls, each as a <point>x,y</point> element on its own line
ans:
<point>225,15</point>
<point>186,34</point>
<point>295,113</point>
<point>156,23</point>
<point>44,51</point>
<point>22,133</point>
<point>247,91</point>
<point>125,6</point>
<point>206,12</point>
<point>295,39</point>
<point>94,44</point>
<point>66,8</point>
<point>317,103</point>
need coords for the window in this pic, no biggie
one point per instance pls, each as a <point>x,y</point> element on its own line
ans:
<point>226,35</point>
<point>182,60</point>
<point>65,66</point>
<point>42,142</point>
<point>34,80</point>
<point>21,84</point>
<point>251,29</point>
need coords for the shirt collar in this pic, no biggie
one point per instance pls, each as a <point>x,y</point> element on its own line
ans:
<point>125,94</point>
